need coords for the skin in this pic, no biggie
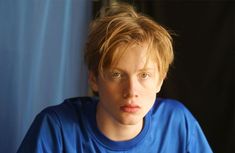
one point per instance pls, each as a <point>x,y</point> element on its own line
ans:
<point>127,92</point>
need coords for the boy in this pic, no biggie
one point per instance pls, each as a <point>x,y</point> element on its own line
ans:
<point>128,56</point>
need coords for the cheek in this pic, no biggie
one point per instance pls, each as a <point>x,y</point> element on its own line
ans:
<point>150,87</point>
<point>153,85</point>
<point>151,96</point>
<point>148,102</point>
<point>149,92</point>
<point>108,89</point>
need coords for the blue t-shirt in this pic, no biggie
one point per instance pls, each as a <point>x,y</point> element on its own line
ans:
<point>71,128</point>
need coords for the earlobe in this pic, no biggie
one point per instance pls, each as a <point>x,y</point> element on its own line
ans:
<point>93,81</point>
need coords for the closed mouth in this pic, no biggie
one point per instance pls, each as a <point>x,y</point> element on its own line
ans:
<point>130,108</point>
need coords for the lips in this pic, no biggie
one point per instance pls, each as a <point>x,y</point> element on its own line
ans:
<point>130,108</point>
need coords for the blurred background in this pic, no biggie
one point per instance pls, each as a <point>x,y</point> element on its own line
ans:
<point>41,60</point>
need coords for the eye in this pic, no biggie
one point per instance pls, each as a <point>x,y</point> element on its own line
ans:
<point>144,75</point>
<point>116,75</point>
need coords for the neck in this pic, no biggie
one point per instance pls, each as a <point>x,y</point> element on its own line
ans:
<point>115,130</point>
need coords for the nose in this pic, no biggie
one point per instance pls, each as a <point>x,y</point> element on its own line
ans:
<point>130,89</point>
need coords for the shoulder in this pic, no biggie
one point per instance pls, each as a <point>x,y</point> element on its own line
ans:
<point>172,113</point>
<point>54,125</point>
<point>170,106</point>
<point>69,110</point>
<point>169,116</point>
<point>170,110</point>
<point>70,105</point>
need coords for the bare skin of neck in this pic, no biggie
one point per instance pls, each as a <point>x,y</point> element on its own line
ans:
<point>114,130</point>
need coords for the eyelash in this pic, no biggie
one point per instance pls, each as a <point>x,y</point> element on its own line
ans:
<point>116,75</point>
<point>119,75</point>
<point>144,75</point>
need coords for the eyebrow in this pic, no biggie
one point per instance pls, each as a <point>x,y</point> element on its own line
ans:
<point>140,70</point>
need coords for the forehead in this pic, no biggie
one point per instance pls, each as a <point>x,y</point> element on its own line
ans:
<point>138,56</point>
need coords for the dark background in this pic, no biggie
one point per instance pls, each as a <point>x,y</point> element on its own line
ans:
<point>202,76</point>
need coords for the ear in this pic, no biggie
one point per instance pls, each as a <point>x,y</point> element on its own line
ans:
<point>93,81</point>
<point>159,85</point>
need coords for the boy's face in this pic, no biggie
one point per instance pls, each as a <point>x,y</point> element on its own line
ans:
<point>128,90</point>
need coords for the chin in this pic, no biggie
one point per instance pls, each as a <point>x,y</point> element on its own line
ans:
<point>131,121</point>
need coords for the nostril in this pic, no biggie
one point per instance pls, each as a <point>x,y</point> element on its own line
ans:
<point>129,95</point>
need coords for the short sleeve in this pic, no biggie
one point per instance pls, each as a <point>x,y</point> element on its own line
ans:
<point>198,142</point>
<point>44,135</point>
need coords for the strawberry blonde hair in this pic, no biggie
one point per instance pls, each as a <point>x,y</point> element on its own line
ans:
<point>119,25</point>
